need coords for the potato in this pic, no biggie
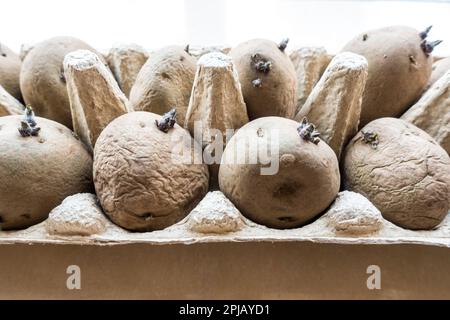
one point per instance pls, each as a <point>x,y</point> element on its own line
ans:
<point>402,171</point>
<point>301,181</point>
<point>165,82</point>
<point>10,64</point>
<point>142,183</point>
<point>42,78</point>
<point>268,78</point>
<point>38,170</point>
<point>439,68</point>
<point>399,68</point>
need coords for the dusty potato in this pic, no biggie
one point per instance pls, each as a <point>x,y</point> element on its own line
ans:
<point>439,68</point>
<point>305,184</point>
<point>400,63</point>
<point>402,170</point>
<point>165,82</point>
<point>268,78</point>
<point>42,78</point>
<point>38,170</point>
<point>10,64</point>
<point>141,181</point>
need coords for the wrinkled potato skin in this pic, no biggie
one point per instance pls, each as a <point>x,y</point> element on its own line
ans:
<point>440,67</point>
<point>165,82</point>
<point>398,71</point>
<point>10,64</point>
<point>307,182</point>
<point>278,94</point>
<point>138,184</point>
<point>42,78</point>
<point>38,173</point>
<point>407,177</point>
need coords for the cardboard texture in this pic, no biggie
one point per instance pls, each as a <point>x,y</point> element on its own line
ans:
<point>217,253</point>
<point>252,270</point>
<point>228,257</point>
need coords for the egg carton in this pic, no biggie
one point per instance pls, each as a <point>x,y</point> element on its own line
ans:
<point>351,219</point>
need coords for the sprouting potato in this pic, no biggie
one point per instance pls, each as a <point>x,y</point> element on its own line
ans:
<point>268,78</point>
<point>289,195</point>
<point>400,63</point>
<point>142,183</point>
<point>41,164</point>
<point>402,171</point>
<point>165,82</point>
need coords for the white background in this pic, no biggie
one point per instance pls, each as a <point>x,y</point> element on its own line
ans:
<point>153,24</point>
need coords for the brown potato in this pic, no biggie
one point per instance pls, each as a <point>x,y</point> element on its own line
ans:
<point>42,78</point>
<point>440,67</point>
<point>10,64</point>
<point>402,170</point>
<point>165,82</point>
<point>38,172</point>
<point>305,184</point>
<point>140,180</point>
<point>399,68</point>
<point>268,78</point>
